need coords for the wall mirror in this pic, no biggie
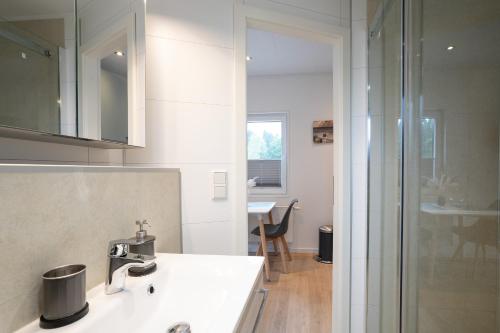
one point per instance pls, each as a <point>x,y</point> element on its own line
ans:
<point>73,69</point>
<point>38,66</point>
<point>111,68</point>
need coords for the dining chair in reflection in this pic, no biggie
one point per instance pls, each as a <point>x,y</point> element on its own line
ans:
<point>481,233</point>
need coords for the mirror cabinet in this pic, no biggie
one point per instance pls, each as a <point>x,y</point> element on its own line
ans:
<point>73,71</point>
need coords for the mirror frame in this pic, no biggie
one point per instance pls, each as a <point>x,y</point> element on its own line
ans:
<point>89,69</point>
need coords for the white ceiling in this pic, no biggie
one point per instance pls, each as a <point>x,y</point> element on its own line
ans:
<point>275,54</point>
<point>114,63</point>
<point>474,31</point>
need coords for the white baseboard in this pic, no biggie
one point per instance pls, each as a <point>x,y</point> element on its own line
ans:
<point>304,250</point>
<point>252,247</point>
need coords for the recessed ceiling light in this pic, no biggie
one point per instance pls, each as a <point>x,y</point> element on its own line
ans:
<point>119,53</point>
<point>450,47</point>
<point>249,58</point>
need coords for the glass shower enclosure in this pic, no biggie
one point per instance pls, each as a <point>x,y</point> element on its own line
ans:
<point>434,106</point>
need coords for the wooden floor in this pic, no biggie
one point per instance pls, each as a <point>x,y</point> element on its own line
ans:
<point>300,301</point>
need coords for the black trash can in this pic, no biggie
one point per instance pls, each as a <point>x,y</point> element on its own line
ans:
<point>325,244</point>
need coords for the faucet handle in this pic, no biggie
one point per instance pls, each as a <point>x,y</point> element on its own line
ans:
<point>118,248</point>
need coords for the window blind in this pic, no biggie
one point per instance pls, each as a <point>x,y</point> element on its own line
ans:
<point>267,172</point>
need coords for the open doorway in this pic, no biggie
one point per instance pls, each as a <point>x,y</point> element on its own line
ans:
<point>290,156</point>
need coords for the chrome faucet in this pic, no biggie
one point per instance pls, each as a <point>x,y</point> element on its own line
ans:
<point>120,259</point>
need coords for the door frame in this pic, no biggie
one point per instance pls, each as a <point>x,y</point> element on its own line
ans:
<point>339,37</point>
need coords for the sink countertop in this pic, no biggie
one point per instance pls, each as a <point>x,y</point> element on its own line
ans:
<point>207,291</point>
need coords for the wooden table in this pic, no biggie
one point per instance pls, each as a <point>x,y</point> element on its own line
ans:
<point>260,209</point>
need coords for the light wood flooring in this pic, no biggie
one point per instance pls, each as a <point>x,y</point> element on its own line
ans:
<point>300,301</point>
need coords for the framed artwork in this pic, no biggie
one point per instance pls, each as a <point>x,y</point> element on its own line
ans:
<point>323,131</point>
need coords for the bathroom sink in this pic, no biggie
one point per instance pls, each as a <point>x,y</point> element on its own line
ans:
<point>209,292</point>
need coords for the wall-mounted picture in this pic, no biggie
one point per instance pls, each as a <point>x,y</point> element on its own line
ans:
<point>323,131</point>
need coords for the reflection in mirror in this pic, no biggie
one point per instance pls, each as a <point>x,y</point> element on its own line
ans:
<point>37,65</point>
<point>114,101</point>
<point>111,70</point>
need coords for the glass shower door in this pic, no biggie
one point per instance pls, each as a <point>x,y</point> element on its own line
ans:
<point>385,168</point>
<point>434,166</point>
<point>450,225</point>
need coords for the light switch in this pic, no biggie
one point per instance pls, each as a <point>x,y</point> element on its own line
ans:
<point>219,177</point>
<point>220,192</point>
<point>219,184</point>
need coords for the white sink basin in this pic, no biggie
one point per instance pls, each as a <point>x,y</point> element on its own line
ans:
<point>208,292</point>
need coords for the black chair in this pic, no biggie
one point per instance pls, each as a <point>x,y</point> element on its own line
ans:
<point>276,234</point>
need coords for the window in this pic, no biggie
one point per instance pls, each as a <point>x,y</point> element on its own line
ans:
<point>266,152</point>
<point>428,147</point>
<point>428,132</point>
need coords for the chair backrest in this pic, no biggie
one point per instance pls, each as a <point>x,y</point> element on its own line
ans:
<point>485,229</point>
<point>283,228</point>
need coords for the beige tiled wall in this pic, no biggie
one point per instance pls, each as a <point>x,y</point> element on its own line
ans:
<point>56,215</point>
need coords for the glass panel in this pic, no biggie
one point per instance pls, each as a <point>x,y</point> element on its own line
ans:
<point>384,104</point>
<point>454,106</point>
<point>448,148</point>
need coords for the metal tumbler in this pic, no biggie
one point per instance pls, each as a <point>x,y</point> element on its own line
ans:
<point>64,292</point>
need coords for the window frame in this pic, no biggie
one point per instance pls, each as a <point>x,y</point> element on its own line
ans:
<point>437,116</point>
<point>268,117</point>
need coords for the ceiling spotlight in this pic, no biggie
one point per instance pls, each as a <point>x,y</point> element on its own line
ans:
<point>119,53</point>
<point>450,47</point>
<point>249,58</point>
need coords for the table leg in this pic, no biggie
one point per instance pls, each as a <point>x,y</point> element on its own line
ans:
<point>460,225</point>
<point>434,245</point>
<point>275,241</point>
<point>264,247</point>
<point>259,250</point>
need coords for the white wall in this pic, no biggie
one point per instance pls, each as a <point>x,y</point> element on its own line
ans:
<point>189,109</point>
<point>305,98</point>
<point>114,113</point>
